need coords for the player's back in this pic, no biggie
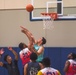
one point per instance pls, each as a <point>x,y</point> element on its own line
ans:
<point>72,67</point>
<point>48,71</point>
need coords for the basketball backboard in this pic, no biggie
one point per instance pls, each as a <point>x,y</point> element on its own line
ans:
<point>65,10</point>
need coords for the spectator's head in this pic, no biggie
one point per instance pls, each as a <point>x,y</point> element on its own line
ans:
<point>46,62</point>
<point>7,58</point>
<point>71,56</point>
<point>22,46</point>
<point>33,56</point>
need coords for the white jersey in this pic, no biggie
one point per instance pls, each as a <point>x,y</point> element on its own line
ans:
<point>25,55</point>
<point>48,71</point>
<point>71,68</point>
<point>24,51</point>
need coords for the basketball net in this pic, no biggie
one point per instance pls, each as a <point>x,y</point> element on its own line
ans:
<point>48,19</point>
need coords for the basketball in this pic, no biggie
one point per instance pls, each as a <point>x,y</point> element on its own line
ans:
<point>29,7</point>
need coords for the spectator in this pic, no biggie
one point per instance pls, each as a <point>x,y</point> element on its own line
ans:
<point>70,65</point>
<point>11,66</point>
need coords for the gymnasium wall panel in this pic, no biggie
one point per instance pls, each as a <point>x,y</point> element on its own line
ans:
<point>69,3</point>
<point>1,4</point>
<point>63,34</point>
<point>13,4</point>
<point>20,4</point>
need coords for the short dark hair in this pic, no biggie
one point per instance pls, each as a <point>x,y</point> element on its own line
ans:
<point>21,45</point>
<point>43,40</point>
<point>73,55</point>
<point>5,57</point>
<point>46,62</point>
<point>33,56</point>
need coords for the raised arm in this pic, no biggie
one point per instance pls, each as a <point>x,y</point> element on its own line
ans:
<point>1,64</point>
<point>1,52</point>
<point>67,63</point>
<point>30,37</point>
<point>14,52</point>
<point>28,33</point>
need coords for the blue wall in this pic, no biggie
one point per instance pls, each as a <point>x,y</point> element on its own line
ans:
<point>58,56</point>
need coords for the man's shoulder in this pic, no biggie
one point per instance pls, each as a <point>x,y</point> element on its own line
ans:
<point>70,60</point>
<point>20,52</point>
<point>24,50</point>
<point>39,73</point>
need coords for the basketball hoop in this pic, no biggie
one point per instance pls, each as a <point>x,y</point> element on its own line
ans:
<point>48,19</point>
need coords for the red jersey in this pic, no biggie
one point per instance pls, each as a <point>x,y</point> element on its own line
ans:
<point>72,67</point>
<point>25,55</point>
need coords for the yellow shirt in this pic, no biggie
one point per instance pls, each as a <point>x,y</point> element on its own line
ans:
<point>48,71</point>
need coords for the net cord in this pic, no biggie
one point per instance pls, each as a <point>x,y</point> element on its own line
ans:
<point>47,22</point>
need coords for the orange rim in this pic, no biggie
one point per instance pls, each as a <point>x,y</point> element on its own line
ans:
<point>52,15</point>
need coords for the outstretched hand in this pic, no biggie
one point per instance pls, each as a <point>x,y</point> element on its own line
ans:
<point>23,31</point>
<point>1,51</point>
<point>10,48</point>
<point>23,27</point>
